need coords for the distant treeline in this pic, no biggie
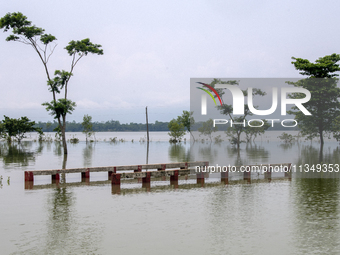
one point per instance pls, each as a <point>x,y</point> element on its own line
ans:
<point>108,126</point>
<point>116,126</point>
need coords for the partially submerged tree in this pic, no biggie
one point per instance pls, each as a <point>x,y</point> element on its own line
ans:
<point>2,129</point>
<point>258,128</point>
<point>43,44</point>
<point>87,126</point>
<point>234,132</point>
<point>207,129</point>
<point>336,128</point>
<point>177,131</point>
<point>188,121</point>
<point>17,128</point>
<point>324,104</point>
<point>287,138</point>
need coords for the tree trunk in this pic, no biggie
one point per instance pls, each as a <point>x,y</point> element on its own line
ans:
<point>64,162</point>
<point>63,175</point>
<point>321,146</point>
<point>193,138</point>
<point>63,128</point>
<point>321,137</point>
<point>321,153</point>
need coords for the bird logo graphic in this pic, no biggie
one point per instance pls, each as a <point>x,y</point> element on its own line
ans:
<point>208,92</point>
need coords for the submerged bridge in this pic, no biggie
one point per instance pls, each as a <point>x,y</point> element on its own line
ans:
<point>173,170</point>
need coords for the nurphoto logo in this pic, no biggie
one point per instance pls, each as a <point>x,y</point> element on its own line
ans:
<point>243,103</point>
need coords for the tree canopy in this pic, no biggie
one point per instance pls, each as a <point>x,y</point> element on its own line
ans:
<point>87,126</point>
<point>324,104</point>
<point>17,128</point>
<point>177,131</point>
<point>323,67</point>
<point>187,120</point>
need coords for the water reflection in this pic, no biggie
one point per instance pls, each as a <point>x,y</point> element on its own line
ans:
<point>40,147</point>
<point>59,216</point>
<point>66,230</point>
<point>179,153</point>
<point>18,155</point>
<point>315,156</point>
<point>243,214</point>
<point>88,154</point>
<point>236,155</point>
<point>287,146</point>
<point>255,152</point>
<point>316,215</point>
<point>224,154</point>
<point>208,152</point>
<point>58,148</point>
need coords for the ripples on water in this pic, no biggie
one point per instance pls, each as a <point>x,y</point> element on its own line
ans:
<point>281,217</point>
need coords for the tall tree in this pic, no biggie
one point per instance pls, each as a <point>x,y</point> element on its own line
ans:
<point>44,44</point>
<point>324,104</point>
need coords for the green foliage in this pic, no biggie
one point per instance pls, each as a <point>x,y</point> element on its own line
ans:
<point>177,131</point>
<point>74,140</point>
<point>113,140</point>
<point>20,26</point>
<point>221,92</point>
<point>207,128</point>
<point>87,126</point>
<point>23,31</point>
<point>2,129</point>
<point>59,81</point>
<point>187,120</point>
<point>234,132</point>
<point>324,104</point>
<point>218,139</point>
<point>47,38</point>
<point>83,47</point>
<point>14,21</point>
<point>253,132</point>
<point>58,133</point>
<point>116,140</point>
<point>17,128</point>
<point>233,138</point>
<point>287,138</point>
<point>336,128</point>
<point>323,67</point>
<point>60,108</point>
<point>107,126</point>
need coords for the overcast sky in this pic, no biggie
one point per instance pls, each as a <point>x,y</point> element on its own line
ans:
<point>153,48</point>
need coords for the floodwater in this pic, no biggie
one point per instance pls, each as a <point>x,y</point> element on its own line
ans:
<point>297,216</point>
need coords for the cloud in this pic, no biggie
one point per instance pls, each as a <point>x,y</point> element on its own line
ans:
<point>151,50</point>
